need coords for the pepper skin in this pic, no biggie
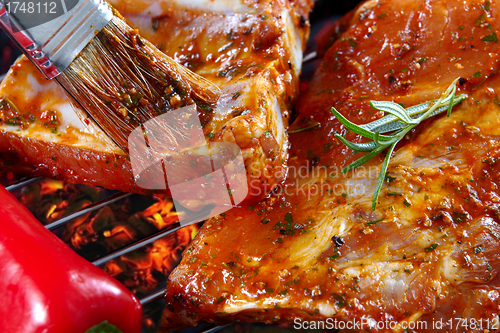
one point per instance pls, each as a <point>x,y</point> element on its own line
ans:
<point>46,287</point>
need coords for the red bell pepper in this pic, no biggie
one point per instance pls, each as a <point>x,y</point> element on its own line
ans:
<point>46,287</point>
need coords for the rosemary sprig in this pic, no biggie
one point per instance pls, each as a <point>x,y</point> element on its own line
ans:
<point>400,121</point>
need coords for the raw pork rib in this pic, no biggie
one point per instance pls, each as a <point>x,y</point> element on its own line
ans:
<point>428,257</point>
<point>251,49</point>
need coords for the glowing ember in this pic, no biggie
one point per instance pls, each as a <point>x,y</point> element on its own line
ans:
<point>50,200</point>
<point>7,177</point>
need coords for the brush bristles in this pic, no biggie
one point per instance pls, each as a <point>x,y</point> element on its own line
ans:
<point>122,81</point>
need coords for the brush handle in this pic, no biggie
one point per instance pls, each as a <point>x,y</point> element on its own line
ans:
<point>54,33</point>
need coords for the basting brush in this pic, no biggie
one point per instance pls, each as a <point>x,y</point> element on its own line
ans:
<point>119,79</point>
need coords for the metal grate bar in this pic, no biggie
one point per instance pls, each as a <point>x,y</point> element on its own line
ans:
<point>310,57</point>
<point>87,209</point>
<point>153,297</point>
<point>22,183</point>
<point>215,329</point>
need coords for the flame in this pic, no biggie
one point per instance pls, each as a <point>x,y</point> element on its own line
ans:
<point>120,232</point>
<point>161,214</point>
<point>50,186</point>
<point>165,253</point>
<point>51,210</point>
<point>113,269</point>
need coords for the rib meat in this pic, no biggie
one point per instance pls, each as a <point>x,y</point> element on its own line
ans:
<point>428,257</point>
<point>251,50</point>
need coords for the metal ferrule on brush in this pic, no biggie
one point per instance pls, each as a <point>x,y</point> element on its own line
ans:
<point>53,45</point>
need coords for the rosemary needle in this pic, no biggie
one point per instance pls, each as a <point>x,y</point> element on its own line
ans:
<point>309,125</point>
<point>400,121</point>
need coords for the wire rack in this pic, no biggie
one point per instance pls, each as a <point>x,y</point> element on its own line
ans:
<point>145,300</point>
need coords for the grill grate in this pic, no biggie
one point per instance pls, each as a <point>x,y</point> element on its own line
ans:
<point>154,296</point>
<point>95,206</point>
